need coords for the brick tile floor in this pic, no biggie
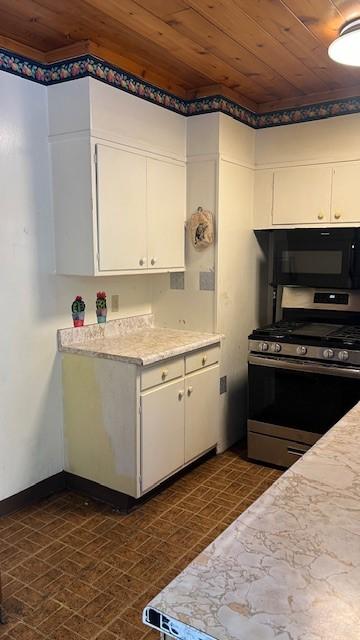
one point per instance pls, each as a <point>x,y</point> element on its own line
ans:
<point>74,569</point>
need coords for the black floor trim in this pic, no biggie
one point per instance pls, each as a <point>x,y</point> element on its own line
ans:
<point>33,494</point>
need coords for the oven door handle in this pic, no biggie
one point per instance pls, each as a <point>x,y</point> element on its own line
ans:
<point>303,366</point>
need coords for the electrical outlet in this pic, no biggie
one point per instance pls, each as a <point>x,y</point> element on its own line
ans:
<point>115,303</point>
<point>223,385</point>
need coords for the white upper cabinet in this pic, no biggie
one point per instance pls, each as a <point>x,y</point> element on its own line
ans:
<point>166,191</point>
<point>118,181</point>
<point>117,210</point>
<point>302,195</point>
<point>307,195</point>
<point>345,193</point>
<point>263,198</point>
<point>121,208</point>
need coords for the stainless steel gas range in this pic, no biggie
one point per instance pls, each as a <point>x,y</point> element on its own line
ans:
<point>304,372</point>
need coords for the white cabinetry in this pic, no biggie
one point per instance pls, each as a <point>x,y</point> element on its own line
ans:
<point>308,195</point>
<point>121,209</point>
<point>162,432</point>
<point>302,195</point>
<point>263,198</point>
<point>141,211</point>
<point>117,210</point>
<point>139,425</point>
<point>165,214</point>
<point>201,411</point>
<point>345,193</point>
<point>179,419</point>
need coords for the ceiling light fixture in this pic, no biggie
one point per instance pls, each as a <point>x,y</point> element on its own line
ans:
<point>346,48</point>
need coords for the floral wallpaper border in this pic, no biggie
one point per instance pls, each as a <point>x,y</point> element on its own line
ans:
<point>88,65</point>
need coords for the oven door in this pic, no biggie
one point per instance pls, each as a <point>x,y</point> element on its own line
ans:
<point>316,257</point>
<point>292,403</point>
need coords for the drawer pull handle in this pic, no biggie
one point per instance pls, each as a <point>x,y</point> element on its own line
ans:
<point>320,216</point>
<point>189,391</point>
<point>181,395</point>
<point>296,452</point>
<point>204,360</point>
<point>337,215</point>
<point>164,374</point>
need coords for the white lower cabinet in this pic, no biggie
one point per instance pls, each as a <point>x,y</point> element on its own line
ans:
<point>179,422</point>
<point>139,425</point>
<point>162,432</point>
<point>201,411</point>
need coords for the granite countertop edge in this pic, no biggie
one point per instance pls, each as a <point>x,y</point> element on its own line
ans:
<point>146,360</point>
<point>308,512</point>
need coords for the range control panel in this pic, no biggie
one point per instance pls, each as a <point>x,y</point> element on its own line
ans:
<point>341,356</point>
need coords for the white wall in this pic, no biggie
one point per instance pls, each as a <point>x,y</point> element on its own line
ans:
<point>35,301</point>
<point>192,308</point>
<point>220,170</point>
<point>30,400</point>
<point>240,266</point>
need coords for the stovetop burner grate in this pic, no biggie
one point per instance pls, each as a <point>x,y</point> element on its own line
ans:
<point>312,332</point>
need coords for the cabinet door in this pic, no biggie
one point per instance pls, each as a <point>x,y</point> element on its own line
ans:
<point>345,193</point>
<point>162,432</point>
<point>121,206</point>
<point>263,198</point>
<point>201,411</point>
<point>166,214</point>
<point>302,195</point>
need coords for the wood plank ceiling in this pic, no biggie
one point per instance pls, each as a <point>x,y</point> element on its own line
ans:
<point>265,54</point>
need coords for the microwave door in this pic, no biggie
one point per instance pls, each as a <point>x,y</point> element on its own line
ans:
<point>315,257</point>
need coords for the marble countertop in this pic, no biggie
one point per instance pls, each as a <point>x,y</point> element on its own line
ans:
<point>135,340</point>
<point>289,567</point>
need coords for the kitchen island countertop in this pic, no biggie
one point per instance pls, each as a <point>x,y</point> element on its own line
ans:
<point>135,340</point>
<point>289,567</point>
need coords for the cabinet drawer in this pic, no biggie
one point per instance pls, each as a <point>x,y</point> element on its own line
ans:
<point>275,450</point>
<point>163,372</point>
<point>201,359</point>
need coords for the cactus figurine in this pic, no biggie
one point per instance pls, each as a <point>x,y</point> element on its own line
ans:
<point>101,308</point>
<point>78,311</point>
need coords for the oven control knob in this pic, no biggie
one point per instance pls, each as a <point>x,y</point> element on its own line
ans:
<point>275,348</point>
<point>301,350</point>
<point>263,346</point>
<point>328,353</point>
<point>343,355</point>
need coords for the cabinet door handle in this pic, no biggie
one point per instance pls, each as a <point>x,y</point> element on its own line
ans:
<point>320,215</point>
<point>181,395</point>
<point>204,360</point>
<point>153,260</point>
<point>337,215</point>
<point>189,391</point>
<point>141,262</point>
<point>164,374</point>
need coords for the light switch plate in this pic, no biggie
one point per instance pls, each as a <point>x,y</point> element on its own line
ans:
<point>177,280</point>
<point>207,281</point>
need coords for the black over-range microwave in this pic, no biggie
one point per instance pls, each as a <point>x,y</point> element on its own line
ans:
<point>317,257</point>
